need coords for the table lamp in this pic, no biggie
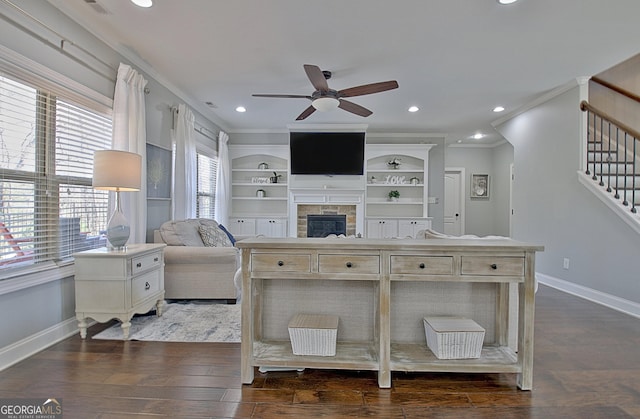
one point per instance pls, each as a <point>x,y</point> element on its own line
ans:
<point>119,171</point>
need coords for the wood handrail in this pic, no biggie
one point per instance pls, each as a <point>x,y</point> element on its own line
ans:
<point>585,106</point>
<point>616,88</point>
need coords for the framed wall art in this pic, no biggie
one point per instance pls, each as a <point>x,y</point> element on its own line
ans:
<point>479,186</point>
<point>159,172</point>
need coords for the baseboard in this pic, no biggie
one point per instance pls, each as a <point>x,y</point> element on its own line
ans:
<point>616,303</point>
<point>33,344</point>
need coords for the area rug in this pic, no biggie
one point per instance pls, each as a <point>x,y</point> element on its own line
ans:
<point>188,322</point>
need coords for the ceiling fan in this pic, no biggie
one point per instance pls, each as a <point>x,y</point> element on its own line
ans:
<point>326,99</point>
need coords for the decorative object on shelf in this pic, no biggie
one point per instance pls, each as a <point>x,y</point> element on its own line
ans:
<point>118,171</point>
<point>158,172</point>
<point>274,178</point>
<point>263,166</point>
<point>394,195</point>
<point>373,179</point>
<point>479,186</point>
<point>394,163</point>
<point>257,179</point>
<point>414,181</point>
<point>260,193</point>
<point>394,180</point>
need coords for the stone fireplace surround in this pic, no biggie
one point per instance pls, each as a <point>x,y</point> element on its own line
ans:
<point>348,210</point>
<point>312,201</point>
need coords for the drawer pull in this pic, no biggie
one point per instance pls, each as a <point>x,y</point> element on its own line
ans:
<point>494,266</point>
<point>155,259</point>
<point>349,264</point>
<point>147,285</point>
<point>280,263</point>
<point>139,265</point>
<point>422,266</point>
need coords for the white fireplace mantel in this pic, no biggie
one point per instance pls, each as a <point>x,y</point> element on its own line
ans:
<point>325,196</point>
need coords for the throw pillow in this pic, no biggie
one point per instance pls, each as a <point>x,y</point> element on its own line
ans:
<point>233,239</point>
<point>212,236</point>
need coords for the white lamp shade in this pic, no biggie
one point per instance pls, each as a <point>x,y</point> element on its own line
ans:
<point>325,104</point>
<point>115,170</point>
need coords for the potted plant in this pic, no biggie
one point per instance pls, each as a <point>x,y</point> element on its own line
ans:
<point>274,178</point>
<point>394,195</point>
<point>394,163</point>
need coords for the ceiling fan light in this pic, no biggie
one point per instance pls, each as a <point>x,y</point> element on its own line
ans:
<point>325,104</point>
<point>143,3</point>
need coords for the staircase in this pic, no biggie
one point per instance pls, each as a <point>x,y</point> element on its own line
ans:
<point>612,167</point>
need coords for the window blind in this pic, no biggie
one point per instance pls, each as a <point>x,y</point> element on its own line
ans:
<point>48,209</point>
<point>206,189</point>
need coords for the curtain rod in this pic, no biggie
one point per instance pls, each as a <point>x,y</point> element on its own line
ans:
<point>60,48</point>
<point>200,130</point>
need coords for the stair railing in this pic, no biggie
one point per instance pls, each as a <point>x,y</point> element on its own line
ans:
<point>612,155</point>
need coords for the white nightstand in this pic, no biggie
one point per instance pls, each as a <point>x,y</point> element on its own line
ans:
<point>116,284</point>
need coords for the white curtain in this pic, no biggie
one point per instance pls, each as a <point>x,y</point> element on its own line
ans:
<point>223,180</point>
<point>185,186</point>
<point>130,134</point>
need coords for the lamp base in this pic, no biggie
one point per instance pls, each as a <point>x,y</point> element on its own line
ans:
<point>118,229</point>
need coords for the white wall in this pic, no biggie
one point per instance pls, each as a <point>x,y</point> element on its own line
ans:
<point>553,209</point>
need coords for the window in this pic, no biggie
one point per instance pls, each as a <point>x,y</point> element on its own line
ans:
<point>48,209</point>
<point>206,192</point>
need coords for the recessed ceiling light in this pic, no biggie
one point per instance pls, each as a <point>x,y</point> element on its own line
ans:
<point>143,3</point>
<point>459,141</point>
<point>507,1</point>
<point>241,109</point>
<point>498,109</point>
<point>414,109</point>
<point>478,136</point>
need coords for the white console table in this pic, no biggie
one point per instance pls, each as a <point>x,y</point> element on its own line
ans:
<point>381,290</point>
<point>118,284</point>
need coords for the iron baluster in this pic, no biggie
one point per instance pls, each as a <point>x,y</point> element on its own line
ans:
<point>633,179</point>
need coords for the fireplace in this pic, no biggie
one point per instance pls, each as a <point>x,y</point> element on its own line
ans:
<point>321,225</point>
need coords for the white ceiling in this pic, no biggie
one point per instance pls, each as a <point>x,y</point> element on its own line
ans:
<point>455,59</point>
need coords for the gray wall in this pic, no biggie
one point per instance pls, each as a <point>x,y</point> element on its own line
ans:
<point>37,308</point>
<point>484,217</point>
<point>553,209</point>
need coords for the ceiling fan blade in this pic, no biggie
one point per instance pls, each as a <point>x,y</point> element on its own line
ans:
<point>316,77</point>
<point>367,89</point>
<point>354,108</point>
<point>286,96</point>
<point>306,113</point>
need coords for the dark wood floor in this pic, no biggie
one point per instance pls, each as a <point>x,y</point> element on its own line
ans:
<point>587,365</point>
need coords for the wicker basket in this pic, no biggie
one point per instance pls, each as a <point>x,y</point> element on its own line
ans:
<point>453,337</point>
<point>313,334</point>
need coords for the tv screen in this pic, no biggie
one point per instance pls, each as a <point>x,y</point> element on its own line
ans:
<point>327,153</point>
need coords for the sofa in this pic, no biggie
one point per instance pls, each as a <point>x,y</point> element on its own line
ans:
<point>200,259</point>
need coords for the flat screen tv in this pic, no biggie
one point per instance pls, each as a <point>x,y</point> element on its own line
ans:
<point>327,153</point>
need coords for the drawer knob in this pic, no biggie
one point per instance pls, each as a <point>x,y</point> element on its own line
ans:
<point>155,259</point>
<point>147,285</point>
<point>349,264</point>
<point>494,266</point>
<point>421,266</point>
<point>280,263</point>
<point>139,265</point>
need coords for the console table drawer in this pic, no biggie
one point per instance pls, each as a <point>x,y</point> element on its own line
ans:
<point>144,286</point>
<point>280,263</point>
<point>422,265</point>
<point>146,262</point>
<point>361,264</point>
<point>497,266</point>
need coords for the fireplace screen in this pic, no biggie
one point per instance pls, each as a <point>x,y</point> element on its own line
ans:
<point>323,225</point>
